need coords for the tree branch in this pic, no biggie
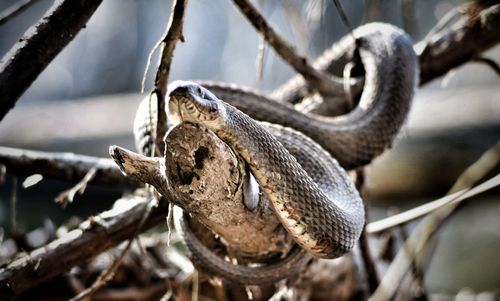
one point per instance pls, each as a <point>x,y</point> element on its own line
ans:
<point>39,46</point>
<point>62,166</point>
<point>325,84</point>
<point>449,49</point>
<point>168,42</point>
<point>440,52</point>
<point>92,237</point>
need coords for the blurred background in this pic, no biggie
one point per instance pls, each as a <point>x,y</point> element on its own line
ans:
<point>86,99</point>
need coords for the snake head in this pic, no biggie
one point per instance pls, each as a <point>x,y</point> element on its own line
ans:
<point>190,102</point>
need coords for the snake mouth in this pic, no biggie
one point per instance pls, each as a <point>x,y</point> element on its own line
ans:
<point>174,111</point>
<point>190,102</point>
<point>186,107</point>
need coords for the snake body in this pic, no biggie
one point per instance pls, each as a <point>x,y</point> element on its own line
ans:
<point>354,139</point>
<point>325,217</point>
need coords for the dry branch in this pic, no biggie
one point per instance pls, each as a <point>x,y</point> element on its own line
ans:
<point>439,53</point>
<point>39,46</point>
<point>92,237</point>
<point>449,49</point>
<point>168,42</point>
<point>62,166</point>
<point>325,84</point>
<point>205,179</point>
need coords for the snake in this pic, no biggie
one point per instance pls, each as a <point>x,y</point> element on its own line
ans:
<point>318,206</point>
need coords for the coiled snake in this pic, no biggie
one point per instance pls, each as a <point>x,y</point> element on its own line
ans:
<point>311,194</point>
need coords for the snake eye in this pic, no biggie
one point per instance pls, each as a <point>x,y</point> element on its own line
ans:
<point>199,91</point>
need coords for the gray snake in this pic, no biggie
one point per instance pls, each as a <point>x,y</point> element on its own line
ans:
<point>312,195</point>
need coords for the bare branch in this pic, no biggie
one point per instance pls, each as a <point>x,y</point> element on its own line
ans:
<point>172,35</point>
<point>343,18</point>
<point>441,51</point>
<point>449,49</point>
<point>39,46</point>
<point>325,84</point>
<point>372,276</point>
<point>92,237</point>
<point>63,166</point>
<point>430,207</point>
<point>14,10</point>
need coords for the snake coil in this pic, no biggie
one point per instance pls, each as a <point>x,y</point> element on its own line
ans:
<point>310,192</point>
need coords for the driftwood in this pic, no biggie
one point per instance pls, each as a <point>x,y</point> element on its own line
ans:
<point>202,175</point>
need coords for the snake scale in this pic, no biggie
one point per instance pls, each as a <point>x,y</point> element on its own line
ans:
<point>310,192</point>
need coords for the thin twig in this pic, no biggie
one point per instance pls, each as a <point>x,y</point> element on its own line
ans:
<point>457,193</point>
<point>343,18</point>
<point>323,83</point>
<point>259,61</point>
<point>39,46</point>
<point>67,196</point>
<point>475,172</point>
<point>13,207</point>
<point>167,44</point>
<point>364,246</point>
<point>14,10</point>
<point>418,242</point>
